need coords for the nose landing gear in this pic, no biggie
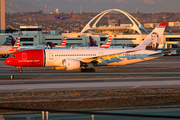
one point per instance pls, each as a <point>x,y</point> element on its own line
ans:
<point>20,69</point>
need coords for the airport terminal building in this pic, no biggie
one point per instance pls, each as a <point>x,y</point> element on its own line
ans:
<point>129,35</point>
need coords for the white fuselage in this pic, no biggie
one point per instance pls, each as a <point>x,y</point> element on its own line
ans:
<point>54,57</point>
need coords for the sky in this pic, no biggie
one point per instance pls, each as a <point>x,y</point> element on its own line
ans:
<point>66,6</point>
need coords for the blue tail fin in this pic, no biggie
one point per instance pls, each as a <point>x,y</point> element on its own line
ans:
<point>92,42</point>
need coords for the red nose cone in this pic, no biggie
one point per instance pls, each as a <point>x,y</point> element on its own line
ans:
<point>7,61</point>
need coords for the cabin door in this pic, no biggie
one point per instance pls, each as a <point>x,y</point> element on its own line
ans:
<point>51,56</point>
<point>24,56</point>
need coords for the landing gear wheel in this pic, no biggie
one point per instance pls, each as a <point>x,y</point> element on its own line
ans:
<point>83,70</point>
<point>92,70</point>
<point>88,70</point>
<point>20,70</point>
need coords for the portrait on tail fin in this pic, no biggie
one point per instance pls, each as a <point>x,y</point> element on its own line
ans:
<point>152,41</point>
<point>153,45</point>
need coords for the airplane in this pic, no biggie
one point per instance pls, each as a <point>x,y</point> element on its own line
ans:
<point>6,50</point>
<point>106,44</point>
<point>62,44</point>
<point>9,41</point>
<point>63,16</point>
<point>49,45</point>
<point>92,42</point>
<point>87,59</point>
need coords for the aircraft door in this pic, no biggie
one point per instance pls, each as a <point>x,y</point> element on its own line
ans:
<point>24,56</point>
<point>51,56</point>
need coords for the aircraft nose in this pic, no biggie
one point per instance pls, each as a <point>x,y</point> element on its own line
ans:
<point>7,61</point>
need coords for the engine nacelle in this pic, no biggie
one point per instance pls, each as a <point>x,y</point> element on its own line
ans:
<point>70,64</point>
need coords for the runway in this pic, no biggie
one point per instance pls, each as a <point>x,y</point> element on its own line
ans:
<point>159,73</point>
<point>87,84</point>
<point>39,85</point>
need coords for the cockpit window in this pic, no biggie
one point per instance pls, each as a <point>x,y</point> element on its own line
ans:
<point>12,56</point>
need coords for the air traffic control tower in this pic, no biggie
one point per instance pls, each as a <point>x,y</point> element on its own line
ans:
<point>2,16</point>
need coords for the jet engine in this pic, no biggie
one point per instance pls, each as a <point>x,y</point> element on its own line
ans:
<point>70,64</point>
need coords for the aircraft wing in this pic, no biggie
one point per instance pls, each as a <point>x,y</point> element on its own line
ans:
<point>106,56</point>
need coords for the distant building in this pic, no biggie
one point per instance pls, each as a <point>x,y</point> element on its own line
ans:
<point>150,25</point>
<point>45,8</point>
<point>126,25</point>
<point>80,9</point>
<point>174,24</point>
<point>2,16</point>
<point>129,35</point>
<point>54,32</point>
<point>113,22</point>
<point>31,30</point>
<point>57,11</point>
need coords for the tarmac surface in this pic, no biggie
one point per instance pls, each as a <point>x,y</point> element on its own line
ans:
<point>159,73</point>
<point>88,84</point>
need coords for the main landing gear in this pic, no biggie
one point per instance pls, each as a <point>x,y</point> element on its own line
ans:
<point>87,67</point>
<point>87,70</point>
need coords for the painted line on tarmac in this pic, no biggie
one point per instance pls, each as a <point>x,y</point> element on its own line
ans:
<point>136,86</point>
<point>25,90</point>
